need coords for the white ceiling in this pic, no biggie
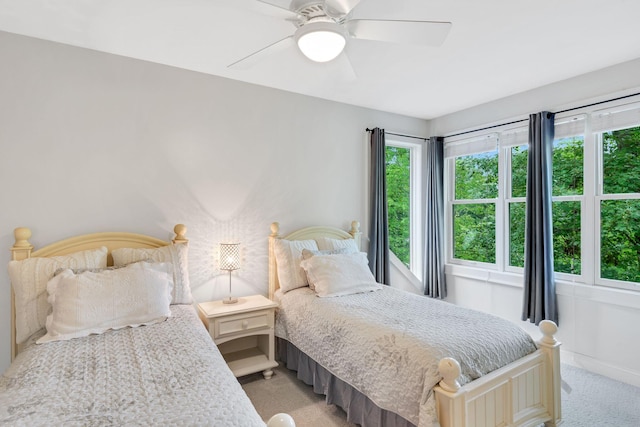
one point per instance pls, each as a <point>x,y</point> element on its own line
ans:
<point>495,48</point>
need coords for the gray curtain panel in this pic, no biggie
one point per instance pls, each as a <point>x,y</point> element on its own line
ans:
<point>539,301</point>
<point>434,279</point>
<point>378,221</point>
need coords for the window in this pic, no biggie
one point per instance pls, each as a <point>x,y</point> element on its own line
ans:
<point>595,198</point>
<point>403,166</point>
<point>473,170</point>
<point>474,208</point>
<point>518,157</point>
<point>568,191</point>
<point>619,205</point>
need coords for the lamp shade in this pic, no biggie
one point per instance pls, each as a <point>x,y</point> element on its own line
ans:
<point>229,256</point>
<point>320,41</point>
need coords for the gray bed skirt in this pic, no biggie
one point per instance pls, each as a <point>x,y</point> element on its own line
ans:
<point>359,408</point>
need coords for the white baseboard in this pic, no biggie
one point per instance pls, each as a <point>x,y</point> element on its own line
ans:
<point>600,367</point>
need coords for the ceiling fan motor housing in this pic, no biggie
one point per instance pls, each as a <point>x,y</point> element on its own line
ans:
<point>321,39</point>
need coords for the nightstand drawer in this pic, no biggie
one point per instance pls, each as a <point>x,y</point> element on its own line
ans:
<point>243,323</point>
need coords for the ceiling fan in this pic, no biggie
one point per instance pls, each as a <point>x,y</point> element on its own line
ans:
<point>323,28</point>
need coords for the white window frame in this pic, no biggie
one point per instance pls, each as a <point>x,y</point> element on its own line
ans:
<point>415,200</point>
<point>568,126</point>
<point>479,143</point>
<point>621,117</point>
<point>509,138</point>
<point>588,122</point>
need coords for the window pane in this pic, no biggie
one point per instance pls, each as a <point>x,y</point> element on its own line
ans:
<point>620,240</point>
<point>566,237</point>
<point>398,167</point>
<point>477,176</point>
<point>568,166</point>
<point>519,158</point>
<point>621,150</point>
<point>474,232</point>
<point>516,233</point>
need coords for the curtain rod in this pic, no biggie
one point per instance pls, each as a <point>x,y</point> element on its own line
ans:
<point>558,112</point>
<point>400,134</point>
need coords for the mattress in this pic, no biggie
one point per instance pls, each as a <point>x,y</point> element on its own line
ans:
<point>387,344</point>
<point>169,373</point>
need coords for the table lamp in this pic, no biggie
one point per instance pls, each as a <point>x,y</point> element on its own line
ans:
<point>229,260</point>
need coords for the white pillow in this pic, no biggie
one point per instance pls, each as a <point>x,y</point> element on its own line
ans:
<point>29,279</point>
<point>288,256</point>
<point>95,302</point>
<point>307,253</point>
<point>336,275</point>
<point>328,244</point>
<point>176,254</point>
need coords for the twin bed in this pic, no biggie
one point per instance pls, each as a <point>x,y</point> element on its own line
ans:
<point>389,358</point>
<point>90,367</point>
<point>393,358</point>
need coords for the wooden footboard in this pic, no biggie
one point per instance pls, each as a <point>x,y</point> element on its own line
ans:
<point>523,393</point>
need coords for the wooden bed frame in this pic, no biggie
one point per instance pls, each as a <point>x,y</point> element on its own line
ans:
<point>523,393</point>
<point>22,249</point>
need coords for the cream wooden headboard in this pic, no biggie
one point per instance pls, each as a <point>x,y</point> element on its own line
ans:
<point>22,249</point>
<point>307,233</point>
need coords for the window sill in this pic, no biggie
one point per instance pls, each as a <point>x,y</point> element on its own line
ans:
<point>565,288</point>
<point>484,275</point>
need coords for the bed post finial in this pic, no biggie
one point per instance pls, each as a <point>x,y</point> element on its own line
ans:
<point>22,236</point>
<point>21,248</point>
<point>450,370</point>
<point>180,230</point>
<point>275,229</point>
<point>355,233</point>
<point>548,329</point>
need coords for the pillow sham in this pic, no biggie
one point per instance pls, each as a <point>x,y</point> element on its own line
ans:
<point>342,274</point>
<point>176,254</point>
<point>328,244</point>
<point>95,302</point>
<point>29,279</point>
<point>288,256</point>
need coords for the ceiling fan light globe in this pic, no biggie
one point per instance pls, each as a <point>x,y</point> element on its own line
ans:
<point>321,41</point>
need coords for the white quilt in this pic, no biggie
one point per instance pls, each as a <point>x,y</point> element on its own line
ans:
<point>169,373</point>
<point>387,343</point>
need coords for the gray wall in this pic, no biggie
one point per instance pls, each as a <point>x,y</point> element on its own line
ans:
<point>95,142</point>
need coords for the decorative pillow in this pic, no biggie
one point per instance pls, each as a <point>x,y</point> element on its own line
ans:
<point>328,244</point>
<point>176,254</point>
<point>307,253</point>
<point>336,275</point>
<point>95,302</point>
<point>29,279</point>
<point>288,256</point>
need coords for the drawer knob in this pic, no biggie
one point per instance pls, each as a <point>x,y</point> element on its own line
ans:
<point>245,324</point>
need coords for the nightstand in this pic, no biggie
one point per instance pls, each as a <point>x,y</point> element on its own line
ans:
<point>243,332</point>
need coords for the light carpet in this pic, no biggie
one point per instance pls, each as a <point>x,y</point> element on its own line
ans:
<point>594,401</point>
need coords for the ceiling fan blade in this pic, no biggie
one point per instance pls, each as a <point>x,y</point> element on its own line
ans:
<point>348,70</point>
<point>339,7</point>
<point>427,33</point>
<point>258,55</point>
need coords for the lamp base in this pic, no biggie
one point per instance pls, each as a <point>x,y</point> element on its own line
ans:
<point>230,300</point>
